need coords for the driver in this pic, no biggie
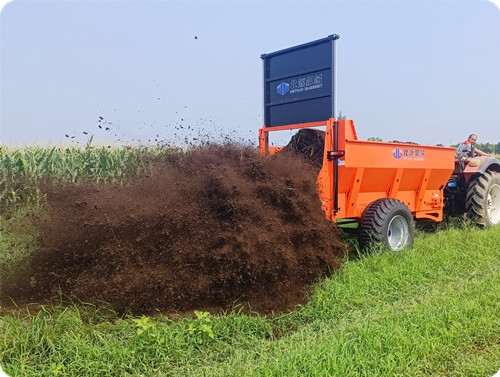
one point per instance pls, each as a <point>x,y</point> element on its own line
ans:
<point>468,148</point>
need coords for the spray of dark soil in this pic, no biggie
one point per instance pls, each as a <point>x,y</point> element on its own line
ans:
<point>216,227</point>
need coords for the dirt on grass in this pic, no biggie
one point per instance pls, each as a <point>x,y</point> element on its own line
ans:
<point>217,227</point>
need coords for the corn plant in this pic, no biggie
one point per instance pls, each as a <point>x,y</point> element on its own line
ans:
<point>22,169</point>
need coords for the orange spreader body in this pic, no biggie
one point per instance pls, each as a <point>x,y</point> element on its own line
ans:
<point>371,170</point>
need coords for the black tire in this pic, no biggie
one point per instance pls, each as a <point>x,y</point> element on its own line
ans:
<point>483,199</point>
<point>387,221</point>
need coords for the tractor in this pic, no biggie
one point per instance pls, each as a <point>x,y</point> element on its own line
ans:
<point>473,190</point>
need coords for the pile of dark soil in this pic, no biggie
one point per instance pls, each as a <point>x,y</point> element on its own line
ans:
<point>310,144</point>
<point>218,227</point>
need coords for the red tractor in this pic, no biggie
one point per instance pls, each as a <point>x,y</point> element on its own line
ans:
<point>474,190</point>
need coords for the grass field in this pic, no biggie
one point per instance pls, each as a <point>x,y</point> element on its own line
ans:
<point>430,311</point>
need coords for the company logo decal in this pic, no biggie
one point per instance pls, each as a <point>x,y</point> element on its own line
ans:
<point>283,88</point>
<point>301,84</point>
<point>397,153</point>
<point>412,154</point>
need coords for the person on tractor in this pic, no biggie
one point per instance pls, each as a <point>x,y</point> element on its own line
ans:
<point>467,149</point>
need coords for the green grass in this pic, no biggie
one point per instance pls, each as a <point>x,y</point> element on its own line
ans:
<point>18,237</point>
<point>430,311</point>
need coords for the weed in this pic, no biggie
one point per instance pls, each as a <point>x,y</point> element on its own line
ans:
<point>144,325</point>
<point>201,328</point>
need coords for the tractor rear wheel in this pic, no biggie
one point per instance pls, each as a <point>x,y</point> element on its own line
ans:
<point>483,199</point>
<point>387,221</point>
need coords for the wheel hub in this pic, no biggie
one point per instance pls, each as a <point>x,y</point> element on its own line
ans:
<point>493,204</point>
<point>397,233</point>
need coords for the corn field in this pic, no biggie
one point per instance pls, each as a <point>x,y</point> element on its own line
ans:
<point>22,169</point>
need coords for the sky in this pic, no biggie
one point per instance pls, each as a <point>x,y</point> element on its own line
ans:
<point>165,71</point>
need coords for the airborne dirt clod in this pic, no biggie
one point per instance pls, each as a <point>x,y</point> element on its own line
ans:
<point>221,226</point>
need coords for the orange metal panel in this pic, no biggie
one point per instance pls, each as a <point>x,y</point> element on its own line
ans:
<point>370,170</point>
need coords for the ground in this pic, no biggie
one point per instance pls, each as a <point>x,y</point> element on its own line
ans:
<point>217,227</point>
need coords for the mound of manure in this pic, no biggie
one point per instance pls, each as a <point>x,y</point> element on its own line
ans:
<point>219,227</point>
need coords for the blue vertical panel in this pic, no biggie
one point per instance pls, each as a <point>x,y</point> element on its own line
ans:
<point>298,83</point>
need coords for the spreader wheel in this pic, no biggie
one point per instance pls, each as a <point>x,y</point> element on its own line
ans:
<point>387,221</point>
<point>483,199</point>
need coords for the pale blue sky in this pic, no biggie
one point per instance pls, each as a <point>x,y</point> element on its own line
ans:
<point>424,71</point>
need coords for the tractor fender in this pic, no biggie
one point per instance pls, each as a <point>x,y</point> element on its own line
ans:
<point>479,165</point>
<point>472,171</point>
<point>490,163</point>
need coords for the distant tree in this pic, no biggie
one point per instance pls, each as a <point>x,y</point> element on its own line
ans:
<point>374,138</point>
<point>486,147</point>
